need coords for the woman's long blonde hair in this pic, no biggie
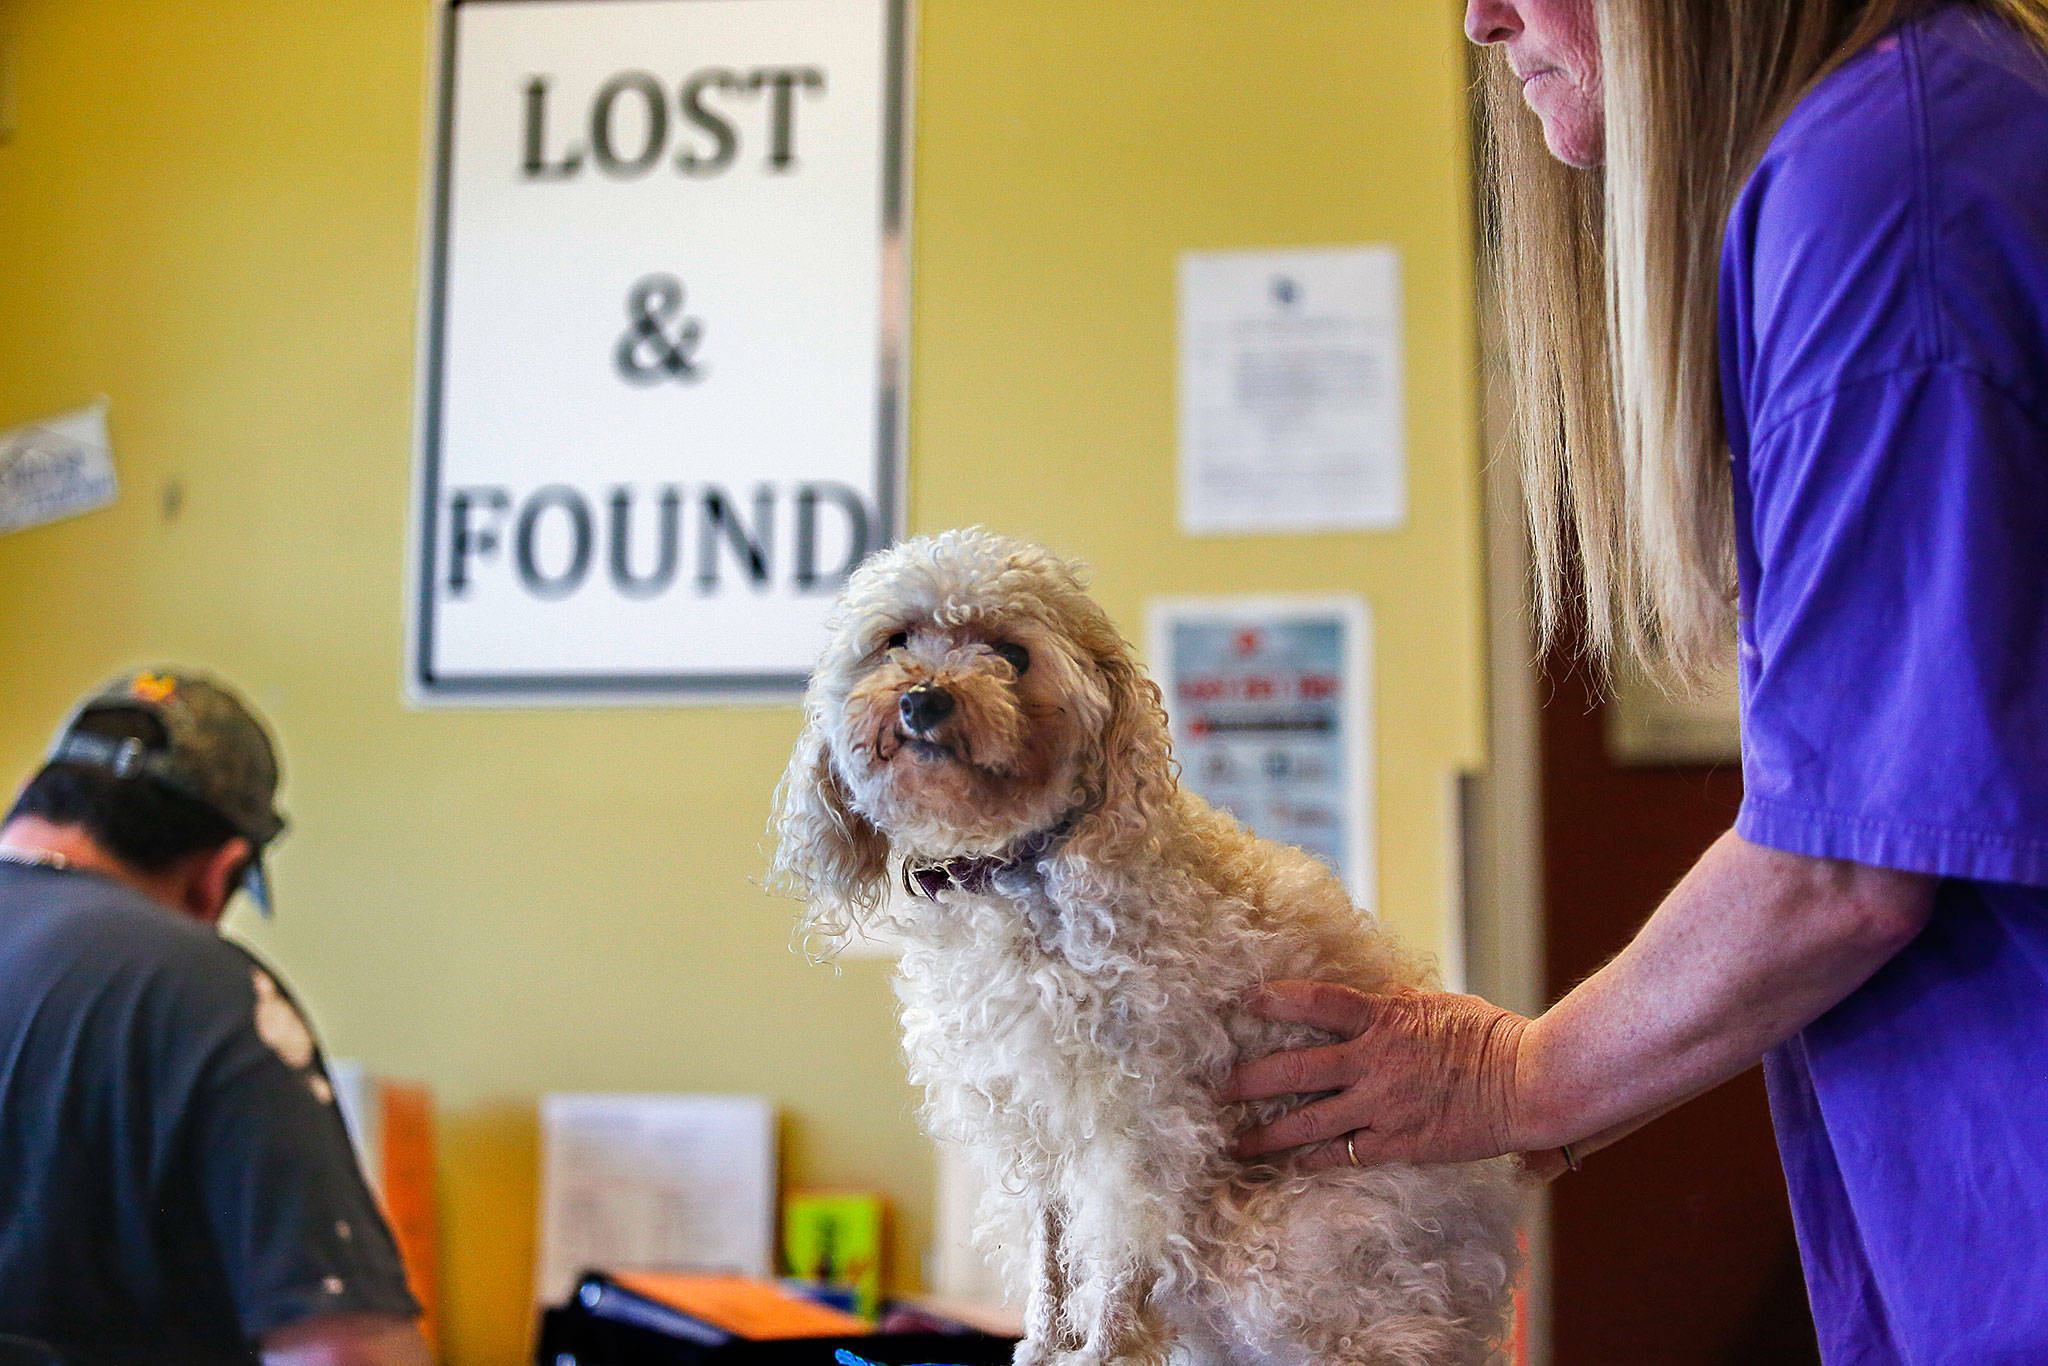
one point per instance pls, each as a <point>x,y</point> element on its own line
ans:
<point>1609,286</point>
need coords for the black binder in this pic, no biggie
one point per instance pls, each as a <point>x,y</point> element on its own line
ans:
<point>605,1324</point>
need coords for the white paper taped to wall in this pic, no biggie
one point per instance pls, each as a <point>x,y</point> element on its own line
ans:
<point>654,1183</point>
<point>1291,375</point>
<point>56,468</point>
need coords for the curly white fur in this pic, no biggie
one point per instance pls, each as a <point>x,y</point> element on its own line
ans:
<point>1070,1019</point>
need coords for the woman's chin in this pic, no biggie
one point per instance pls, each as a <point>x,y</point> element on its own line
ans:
<point>1574,124</point>
<point>1583,148</point>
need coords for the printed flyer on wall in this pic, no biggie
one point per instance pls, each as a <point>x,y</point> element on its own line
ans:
<point>1268,701</point>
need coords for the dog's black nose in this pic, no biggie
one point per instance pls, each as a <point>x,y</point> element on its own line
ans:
<point>923,707</point>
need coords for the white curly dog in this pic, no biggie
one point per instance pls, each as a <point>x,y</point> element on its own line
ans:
<point>1079,936</point>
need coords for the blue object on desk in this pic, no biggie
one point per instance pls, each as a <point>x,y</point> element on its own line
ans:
<point>846,1358</point>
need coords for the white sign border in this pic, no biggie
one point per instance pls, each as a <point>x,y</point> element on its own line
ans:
<point>420,687</point>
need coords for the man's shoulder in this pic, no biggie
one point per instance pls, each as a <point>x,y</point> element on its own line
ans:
<point>93,928</point>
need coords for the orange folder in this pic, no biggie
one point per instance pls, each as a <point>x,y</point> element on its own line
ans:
<point>743,1306</point>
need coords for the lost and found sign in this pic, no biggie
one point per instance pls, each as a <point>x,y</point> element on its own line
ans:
<point>659,403</point>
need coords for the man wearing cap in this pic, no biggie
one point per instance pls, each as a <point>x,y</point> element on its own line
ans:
<point>175,1181</point>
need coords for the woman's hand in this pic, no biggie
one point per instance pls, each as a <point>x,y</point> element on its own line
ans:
<point>1419,1077</point>
<point>1751,946</point>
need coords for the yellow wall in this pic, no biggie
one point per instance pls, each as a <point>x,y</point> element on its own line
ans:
<point>209,213</point>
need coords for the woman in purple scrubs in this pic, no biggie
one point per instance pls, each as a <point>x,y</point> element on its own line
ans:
<point>1813,234</point>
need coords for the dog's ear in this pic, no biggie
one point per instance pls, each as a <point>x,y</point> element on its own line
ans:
<point>826,852</point>
<point>1134,773</point>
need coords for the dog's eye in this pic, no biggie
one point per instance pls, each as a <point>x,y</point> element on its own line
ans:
<point>1016,656</point>
<point>897,641</point>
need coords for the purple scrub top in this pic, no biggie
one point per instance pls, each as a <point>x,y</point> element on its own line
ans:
<point>1884,332</point>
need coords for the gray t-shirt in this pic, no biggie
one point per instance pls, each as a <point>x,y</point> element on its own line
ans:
<point>175,1179</point>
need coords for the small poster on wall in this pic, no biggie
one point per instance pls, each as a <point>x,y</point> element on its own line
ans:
<point>662,347</point>
<point>1271,722</point>
<point>1291,409</point>
<point>56,468</point>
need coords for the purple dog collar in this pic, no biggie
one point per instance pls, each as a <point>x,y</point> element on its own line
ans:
<point>977,875</point>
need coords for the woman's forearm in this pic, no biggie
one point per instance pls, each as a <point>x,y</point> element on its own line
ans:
<point>1749,948</point>
<point>1752,945</point>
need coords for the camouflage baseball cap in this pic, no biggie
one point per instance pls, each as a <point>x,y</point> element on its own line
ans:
<point>215,751</point>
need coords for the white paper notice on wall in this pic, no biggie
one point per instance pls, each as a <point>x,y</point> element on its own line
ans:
<point>654,1183</point>
<point>1291,377</point>
<point>55,469</point>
